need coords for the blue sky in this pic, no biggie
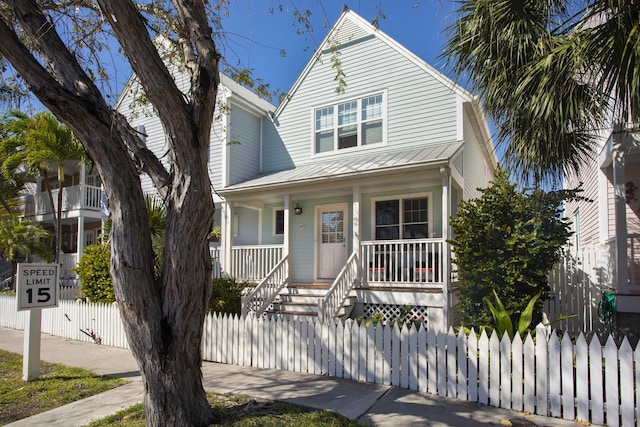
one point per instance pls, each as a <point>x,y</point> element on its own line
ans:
<point>257,31</point>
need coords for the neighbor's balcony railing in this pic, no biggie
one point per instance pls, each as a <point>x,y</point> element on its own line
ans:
<point>408,261</point>
<point>68,263</point>
<point>253,263</point>
<point>73,198</point>
<point>633,260</point>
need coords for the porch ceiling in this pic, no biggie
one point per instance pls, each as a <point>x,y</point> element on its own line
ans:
<point>389,162</point>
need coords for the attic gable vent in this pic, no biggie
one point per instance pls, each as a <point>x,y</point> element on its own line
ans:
<point>347,32</point>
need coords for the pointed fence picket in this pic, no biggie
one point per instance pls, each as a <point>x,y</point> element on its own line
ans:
<point>545,375</point>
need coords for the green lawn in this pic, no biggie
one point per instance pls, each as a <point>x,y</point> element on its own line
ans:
<point>56,386</point>
<point>243,411</point>
<point>59,385</point>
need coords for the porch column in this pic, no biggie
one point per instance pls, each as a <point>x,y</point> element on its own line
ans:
<point>357,198</point>
<point>82,184</point>
<point>620,214</point>
<point>446,256</point>
<point>286,238</point>
<point>226,215</point>
<point>80,238</point>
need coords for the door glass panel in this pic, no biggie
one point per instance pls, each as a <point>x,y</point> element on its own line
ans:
<point>333,227</point>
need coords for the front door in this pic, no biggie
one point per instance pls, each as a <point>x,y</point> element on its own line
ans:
<point>331,239</point>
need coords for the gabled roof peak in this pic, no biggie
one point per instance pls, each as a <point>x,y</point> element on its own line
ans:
<point>351,27</point>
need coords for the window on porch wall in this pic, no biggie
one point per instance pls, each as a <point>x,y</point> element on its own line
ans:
<point>402,219</point>
<point>278,222</point>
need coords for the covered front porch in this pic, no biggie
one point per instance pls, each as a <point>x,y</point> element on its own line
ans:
<point>394,272</point>
<point>349,245</point>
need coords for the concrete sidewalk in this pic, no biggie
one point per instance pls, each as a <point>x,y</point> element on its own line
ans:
<point>370,404</point>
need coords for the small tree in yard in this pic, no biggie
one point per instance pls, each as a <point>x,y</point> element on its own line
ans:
<point>508,241</point>
<point>93,271</point>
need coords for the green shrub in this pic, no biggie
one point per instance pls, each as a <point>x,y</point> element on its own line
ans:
<point>506,242</point>
<point>226,296</point>
<point>93,270</point>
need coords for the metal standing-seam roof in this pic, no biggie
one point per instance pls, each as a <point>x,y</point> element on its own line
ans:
<point>350,167</point>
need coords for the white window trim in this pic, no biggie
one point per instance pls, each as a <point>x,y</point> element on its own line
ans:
<point>359,122</point>
<point>401,197</point>
<point>273,222</point>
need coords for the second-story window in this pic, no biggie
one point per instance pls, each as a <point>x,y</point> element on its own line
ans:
<point>350,124</point>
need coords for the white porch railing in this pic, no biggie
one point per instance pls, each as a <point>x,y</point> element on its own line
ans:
<point>216,261</point>
<point>68,263</point>
<point>261,297</point>
<point>403,261</point>
<point>253,263</point>
<point>348,278</point>
<point>633,261</point>
<point>72,198</point>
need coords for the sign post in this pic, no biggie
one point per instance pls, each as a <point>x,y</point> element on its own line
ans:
<point>37,288</point>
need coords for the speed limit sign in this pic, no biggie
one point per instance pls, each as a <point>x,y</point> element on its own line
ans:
<point>37,286</point>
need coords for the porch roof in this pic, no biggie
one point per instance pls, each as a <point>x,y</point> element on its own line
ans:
<point>351,167</point>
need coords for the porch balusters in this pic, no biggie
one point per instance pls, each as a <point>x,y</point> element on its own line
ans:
<point>399,262</point>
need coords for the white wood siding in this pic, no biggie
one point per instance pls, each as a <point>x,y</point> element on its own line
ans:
<point>420,109</point>
<point>143,115</point>
<point>589,216</point>
<point>244,151</point>
<point>218,142</point>
<point>475,165</point>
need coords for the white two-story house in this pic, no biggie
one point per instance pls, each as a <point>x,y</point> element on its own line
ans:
<point>83,211</point>
<point>339,200</point>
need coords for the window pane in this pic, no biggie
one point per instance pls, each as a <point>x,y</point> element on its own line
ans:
<point>387,219</point>
<point>279,222</point>
<point>388,212</point>
<point>416,231</point>
<point>324,141</point>
<point>372,132</point>
<point>348,113</point>
<point>388,233</point>
<point>372,107</point>
<point>333,227</point>
<point>415,218</point>
<point>324,118</point>
<point>347,136</point>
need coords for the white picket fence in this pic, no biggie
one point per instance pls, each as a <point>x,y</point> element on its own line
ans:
<point>73,320</point>
<point>549,376</point>
<point>576,285</point>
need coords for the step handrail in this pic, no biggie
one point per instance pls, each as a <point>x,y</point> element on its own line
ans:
<point>263,295</point>
<point>330,305</point>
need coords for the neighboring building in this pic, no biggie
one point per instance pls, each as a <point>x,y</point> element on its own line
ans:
<point>609,226</point>
<point>82,211</point>
<point>344,197</point>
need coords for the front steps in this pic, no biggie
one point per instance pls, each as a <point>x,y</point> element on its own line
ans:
<point>302,300</point>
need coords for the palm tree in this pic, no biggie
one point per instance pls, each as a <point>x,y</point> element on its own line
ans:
<point>40,145</point>
<point>551,74</point>
<point>10,186</point>
<point>20,239</point>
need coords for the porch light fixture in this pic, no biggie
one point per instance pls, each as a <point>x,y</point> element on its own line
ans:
<point>297,210</point>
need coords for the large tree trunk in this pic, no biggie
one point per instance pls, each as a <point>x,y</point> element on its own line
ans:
<point>164,320</point>
<point>163,316</point>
